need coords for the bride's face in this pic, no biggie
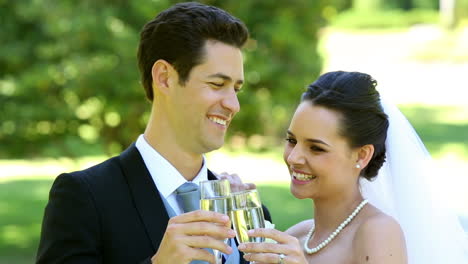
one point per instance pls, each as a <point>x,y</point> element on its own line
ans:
<point>320,161</point>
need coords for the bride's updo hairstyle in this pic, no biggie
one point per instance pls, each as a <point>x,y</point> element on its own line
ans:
<point>353,94</point>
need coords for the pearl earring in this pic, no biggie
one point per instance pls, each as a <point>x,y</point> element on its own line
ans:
<point>358,166</point>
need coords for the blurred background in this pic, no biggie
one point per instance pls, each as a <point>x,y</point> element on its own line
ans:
<point>70,94</point>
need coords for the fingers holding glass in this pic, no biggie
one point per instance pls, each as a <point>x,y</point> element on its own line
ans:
<point>258,258</point>
<point>236,183</point>
<point>286,250</point>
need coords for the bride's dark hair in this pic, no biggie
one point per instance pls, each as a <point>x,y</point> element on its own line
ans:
<point>353,94</point>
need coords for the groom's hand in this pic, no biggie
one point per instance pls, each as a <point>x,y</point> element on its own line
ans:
<point>187,234</point>
<point>236,183</point>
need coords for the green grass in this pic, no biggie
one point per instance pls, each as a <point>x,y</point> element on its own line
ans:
<point>443,129</point>
<point>449,47</point>
<point>22,203</point>
<point>284,208</point>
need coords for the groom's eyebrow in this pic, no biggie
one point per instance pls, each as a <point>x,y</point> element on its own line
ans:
<point>225,78</point>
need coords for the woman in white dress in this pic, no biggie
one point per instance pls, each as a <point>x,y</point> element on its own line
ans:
<point>338,139</point>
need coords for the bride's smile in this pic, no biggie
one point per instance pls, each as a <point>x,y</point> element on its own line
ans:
<point>320,161</point>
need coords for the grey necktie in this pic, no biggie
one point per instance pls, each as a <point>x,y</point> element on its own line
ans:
<point>188,197</point>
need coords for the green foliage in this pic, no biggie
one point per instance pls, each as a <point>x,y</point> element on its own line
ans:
<point>368,5</point>
<point>340,5</point>
<point>69,83</point>
<point>461,8</point>
<point>281,59</point>
<point>379,5</point>
<point>426,4</point>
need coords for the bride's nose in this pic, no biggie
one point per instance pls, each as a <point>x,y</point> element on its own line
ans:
<point>295,156</point>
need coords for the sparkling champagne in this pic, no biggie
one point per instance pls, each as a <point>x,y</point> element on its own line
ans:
<point>217,204</point>
<point>246,219</point>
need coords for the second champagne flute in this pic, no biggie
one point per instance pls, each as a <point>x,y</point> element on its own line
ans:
<point>247,214</point>
<point>214,196</point>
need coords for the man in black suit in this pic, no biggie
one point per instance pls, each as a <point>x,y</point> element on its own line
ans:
<point>119,211</point>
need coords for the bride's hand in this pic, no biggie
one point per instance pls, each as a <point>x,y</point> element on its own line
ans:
<point>287,247</point>
<point>236,183</point>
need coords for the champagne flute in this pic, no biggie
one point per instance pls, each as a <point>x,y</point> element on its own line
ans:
<point>247,214</point>
<point>214,196</point>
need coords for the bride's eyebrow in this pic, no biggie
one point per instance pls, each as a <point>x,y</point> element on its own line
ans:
<point>290,133</point>
<point>312,140</point>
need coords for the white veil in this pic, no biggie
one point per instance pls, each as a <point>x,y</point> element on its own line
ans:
<point>402,189</point>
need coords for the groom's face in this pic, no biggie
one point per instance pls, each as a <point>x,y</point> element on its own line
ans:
<point>202,109</point>
<point>319,159</point>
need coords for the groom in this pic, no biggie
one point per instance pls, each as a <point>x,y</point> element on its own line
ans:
<point>119,211</point>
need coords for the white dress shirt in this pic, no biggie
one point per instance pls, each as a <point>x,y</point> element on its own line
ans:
<point>166,177</point>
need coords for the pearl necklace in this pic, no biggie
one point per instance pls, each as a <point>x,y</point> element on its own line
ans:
<point>332,235</point>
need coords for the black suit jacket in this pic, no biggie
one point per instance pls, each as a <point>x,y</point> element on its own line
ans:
<point>109,213</point>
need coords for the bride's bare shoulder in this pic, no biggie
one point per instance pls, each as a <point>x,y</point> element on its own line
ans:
<point>300,229</point>
<point>377,224</point>
<point>379,237</point>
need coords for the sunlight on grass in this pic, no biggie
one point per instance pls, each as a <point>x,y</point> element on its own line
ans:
<point>18,243</point>
<point>447,46</point>
<point>4,208</point>
<point>267,167</point>
<point>440,114</point>
<point>22,203</point>
<point>455,152</point>
<point>5,259</point>
<point>452,115</point>
<point>285,209</point>
<point>443,129</point>
<point>13,235</point>
<point>47,168</point>
<point>401,77</point>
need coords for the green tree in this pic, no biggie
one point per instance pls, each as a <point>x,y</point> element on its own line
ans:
<point>281,59</point>
<point>69,83</point>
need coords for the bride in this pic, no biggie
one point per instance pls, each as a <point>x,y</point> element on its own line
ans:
<point>341,136</point>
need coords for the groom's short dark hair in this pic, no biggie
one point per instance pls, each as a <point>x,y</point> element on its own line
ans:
<point>178,35</point>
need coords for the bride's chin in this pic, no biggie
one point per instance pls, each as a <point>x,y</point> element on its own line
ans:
<point>300,195</point>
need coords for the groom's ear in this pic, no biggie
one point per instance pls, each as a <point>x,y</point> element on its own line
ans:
<point>162,73</point>
<point>365,154</point>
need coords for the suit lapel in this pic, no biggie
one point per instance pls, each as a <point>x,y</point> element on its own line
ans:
<point>211,176</point>
<point>145,194</point>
